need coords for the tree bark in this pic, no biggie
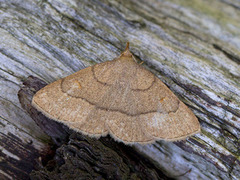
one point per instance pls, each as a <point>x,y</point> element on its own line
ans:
<point>192,46</point>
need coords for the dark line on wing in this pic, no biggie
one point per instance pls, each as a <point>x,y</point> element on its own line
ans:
<point>116,110</point>
<point>94,76</point>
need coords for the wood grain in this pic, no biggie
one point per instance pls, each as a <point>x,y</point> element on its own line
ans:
<point>192,46</point>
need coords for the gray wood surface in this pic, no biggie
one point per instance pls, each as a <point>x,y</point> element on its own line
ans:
<point>192,46</point>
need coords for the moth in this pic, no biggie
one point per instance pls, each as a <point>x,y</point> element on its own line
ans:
<point>120,98</point>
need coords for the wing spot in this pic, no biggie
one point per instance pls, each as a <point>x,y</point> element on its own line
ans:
<point>163,99</point>
<point>78,84</point>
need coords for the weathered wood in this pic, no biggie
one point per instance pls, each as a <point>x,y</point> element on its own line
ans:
<point>82,156</point>
<point>86,158</point>
<point>192,46</point>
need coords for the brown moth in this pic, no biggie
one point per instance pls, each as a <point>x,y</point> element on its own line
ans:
<point>120,98</point>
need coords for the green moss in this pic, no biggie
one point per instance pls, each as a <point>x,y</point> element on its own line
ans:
<point>223,142</point>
